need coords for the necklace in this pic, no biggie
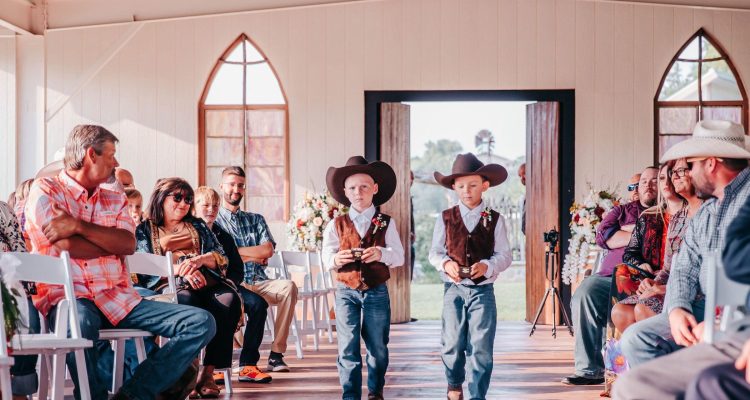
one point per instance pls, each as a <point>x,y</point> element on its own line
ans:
<point>178,228</point>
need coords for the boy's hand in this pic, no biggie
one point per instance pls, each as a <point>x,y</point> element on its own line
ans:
<point>682,324</point>
<point>743,361</point>
<point>343,257</point>
<point>451,269</point>
<point>478,270</point>
<point>371,254</point>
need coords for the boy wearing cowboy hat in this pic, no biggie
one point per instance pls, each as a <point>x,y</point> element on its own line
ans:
<point>361,246</point>
<point>717,155</point>
<point>470,248</point>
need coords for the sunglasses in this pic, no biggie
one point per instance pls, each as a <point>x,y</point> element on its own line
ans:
<point>178,197</point>
<point>632,187</point>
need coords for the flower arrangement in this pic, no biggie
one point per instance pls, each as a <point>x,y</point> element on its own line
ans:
<point>309,219</point>
<point>585,217</point>
<point>379,223</point>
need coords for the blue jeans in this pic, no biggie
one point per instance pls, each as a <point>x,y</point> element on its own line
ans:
<point>652,338</point>
<point>469,322</point>
<point>256,309</point>
<point>589,308</point>
<point>368,312</point>
<point>188,328</point>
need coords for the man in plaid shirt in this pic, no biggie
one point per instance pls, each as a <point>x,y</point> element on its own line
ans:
<point>71,212</point>
<point>718,162</point>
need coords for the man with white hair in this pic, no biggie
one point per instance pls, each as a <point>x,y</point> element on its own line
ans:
<point>717,157</point>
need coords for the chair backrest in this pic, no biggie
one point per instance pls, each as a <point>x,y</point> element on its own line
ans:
<point>51,270</point>
<point>722,291</point>
<point>152,264</point>
<point>320,277</point>
<point>298,261</point>
<point>595,258</point>
<point>275,267</point>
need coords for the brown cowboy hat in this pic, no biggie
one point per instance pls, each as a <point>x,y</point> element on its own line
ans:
<point>380,172</point>
<point>468,164</point>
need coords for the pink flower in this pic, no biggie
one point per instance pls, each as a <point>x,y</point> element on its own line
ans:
<point>317,221</point>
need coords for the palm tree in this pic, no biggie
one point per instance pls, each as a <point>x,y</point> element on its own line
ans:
<point>484,141</point>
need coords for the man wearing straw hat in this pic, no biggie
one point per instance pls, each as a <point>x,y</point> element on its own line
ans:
<point>717,156</point>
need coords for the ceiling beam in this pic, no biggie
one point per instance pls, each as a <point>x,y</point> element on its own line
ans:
<point>16,16</point>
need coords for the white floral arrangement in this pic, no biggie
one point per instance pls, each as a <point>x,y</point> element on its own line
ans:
<point>585,216</point>
<point>309,219</point>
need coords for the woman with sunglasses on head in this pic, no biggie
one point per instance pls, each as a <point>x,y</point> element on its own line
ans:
<point>200,267</point>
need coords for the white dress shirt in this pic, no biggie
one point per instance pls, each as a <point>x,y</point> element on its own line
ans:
<point>392,254</point>
<point>501,257</point>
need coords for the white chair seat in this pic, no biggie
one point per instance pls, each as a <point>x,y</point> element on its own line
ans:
<point>28,343</point>
<point>113,334</point>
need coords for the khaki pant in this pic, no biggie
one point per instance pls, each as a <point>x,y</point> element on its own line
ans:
<point>281,293</point>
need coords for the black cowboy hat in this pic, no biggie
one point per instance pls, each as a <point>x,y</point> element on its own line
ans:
<point>468,164</point>
<point>380,172</point>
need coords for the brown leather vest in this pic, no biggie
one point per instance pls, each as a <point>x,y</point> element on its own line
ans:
<point>467,248</point>
<point>358,275</point>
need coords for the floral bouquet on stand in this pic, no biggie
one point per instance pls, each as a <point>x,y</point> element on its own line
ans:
<point>309,219</point>
<point>585,217</point>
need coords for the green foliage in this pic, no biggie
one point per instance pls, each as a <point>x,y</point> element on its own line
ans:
<point>10,309</point>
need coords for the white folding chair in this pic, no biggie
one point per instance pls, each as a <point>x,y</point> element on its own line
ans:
<point>275,270</point>
<point>595,258</point>
<point>321,290</point>
<point>55,271</point>
<point>138,263</point>
<point>299,262</point>
<point>722,291</point>
<point>5,361</point>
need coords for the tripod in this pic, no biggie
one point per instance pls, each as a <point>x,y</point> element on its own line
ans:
<point>551,259</point>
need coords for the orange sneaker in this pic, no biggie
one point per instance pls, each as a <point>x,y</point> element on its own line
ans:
<point>251,373</point>
<point>219,378</point>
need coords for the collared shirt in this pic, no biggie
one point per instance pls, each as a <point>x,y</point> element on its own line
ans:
<point>705,234</point>
<point>500,260</point>
<point>103,280</point>
<point>392,254</point>
<point>248,230</point>
<point>616,218</point>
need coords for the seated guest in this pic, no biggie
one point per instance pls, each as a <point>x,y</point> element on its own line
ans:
<point>256,245</point>
<point>135,205</point>
<point>24,380</point>
<point>200,267</point>
<point>648,254</point>
<point>718,168</point>
<point>124,178</point>
<point>590,302</point>
<point>207,207</point>
<point>633,187</point>
<point>22,192</point>
<point>71,212</point>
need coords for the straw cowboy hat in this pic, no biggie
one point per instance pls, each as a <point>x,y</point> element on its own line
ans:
<point>380,172</point>
<point>712,138</point>
<point>468,164</point>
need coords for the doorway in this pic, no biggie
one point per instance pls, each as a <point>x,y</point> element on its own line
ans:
<point>551,139</point>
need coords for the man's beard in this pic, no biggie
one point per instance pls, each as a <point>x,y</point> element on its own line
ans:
<point>703,190</point>
<point>647,203</point>
<point>234,203</point>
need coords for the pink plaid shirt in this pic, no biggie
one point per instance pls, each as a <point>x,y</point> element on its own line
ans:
<point>103,280</point>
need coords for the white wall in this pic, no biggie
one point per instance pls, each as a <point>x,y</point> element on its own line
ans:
<point>612,54</point>
<point>7,116</point>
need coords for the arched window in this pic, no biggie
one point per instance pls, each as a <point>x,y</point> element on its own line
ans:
<point>700,83</point>
<point>243,120</point>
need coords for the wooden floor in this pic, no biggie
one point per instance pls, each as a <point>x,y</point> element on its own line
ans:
<point>525,368</point>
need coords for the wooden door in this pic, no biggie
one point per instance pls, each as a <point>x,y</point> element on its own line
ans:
<point>542,200</point>
<point>394,149</point>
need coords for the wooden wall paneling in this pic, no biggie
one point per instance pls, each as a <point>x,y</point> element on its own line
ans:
<point>128,81</point>
<point>335,87</point>
<point>318,144</point>
<point>395,141</point>
<point>8,143</point>
<point>393,36</point>
<point>72,67</point>
<point>296,90</point>
<point>186,101</point>
<point>604,154</point>
<point>565,44</point>
<point>684,26</point>
<point>624,83</point>
<point>585,112</point>
<point>110,88</point>
<point>430,37</point>
<point>90,93</point>
<point>411,73</point>
<point>450,45</point>
<point>373,45</point>
<point>355,79</point>
<point>722,31</point>
<point>644,86</point>
<point>146,81</point>
<point>663,39</point>
<point>54,56</point>
<point>703,18</point>
<point>527,44</point>
<point>278,44</point>
<point>166,137</point>
<point>478,24</point>
<point>740,54</point>
<point>507,42</point>
<point>546,42</point>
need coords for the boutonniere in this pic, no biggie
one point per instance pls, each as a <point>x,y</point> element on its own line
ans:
<point>486,216</point>
<point>378,222</point>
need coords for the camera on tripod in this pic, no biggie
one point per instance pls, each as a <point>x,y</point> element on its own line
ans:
<point>552,237</point>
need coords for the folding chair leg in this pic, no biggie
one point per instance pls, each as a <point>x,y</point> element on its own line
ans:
<point>314,322</point>
<point>324,310</point>
<point>44,368</point>
<point>83,377</point>
<point>118,367</point>
<point>228,380</point>
<point>5,383</point>
<point>140,349</point>
<point>297,342</point>
<point>58,376</point>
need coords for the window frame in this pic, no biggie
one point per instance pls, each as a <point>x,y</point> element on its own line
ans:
<point>202,108</point>
<point>700,103</point>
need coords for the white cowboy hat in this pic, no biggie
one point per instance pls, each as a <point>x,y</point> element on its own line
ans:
<point>712,138</point>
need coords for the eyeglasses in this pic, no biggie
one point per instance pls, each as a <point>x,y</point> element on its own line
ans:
<point>679,173</point>
<point>632,187</point>
<point>178,197</point>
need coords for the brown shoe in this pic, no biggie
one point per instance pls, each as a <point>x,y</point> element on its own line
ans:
<point>184,385</point>
<point>455,393</point>
<point>374,396</point>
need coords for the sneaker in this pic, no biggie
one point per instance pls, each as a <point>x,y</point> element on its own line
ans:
<point>575,380</point>
<point>251,373</point>
<point>219,378</point>
<point>276,364</point>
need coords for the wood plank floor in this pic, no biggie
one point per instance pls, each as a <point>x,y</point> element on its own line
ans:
<point>525,368</point>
